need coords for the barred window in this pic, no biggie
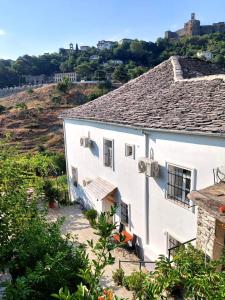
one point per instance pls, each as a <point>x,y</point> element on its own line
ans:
<point>124,213</point>
<point>75,176</point>
<point>172,242</point>
<point>108,153</point>
<point>179,184</point>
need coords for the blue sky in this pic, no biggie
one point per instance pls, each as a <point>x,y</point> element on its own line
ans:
<point>37,26</point>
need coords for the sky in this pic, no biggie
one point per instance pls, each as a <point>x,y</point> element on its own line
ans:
<point>35,27</point>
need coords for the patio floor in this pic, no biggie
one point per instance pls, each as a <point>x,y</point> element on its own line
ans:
<point>77,225</point>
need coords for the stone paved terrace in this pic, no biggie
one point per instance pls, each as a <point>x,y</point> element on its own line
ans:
<point>77,224</point>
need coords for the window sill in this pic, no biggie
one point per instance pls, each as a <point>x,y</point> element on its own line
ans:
<point>181,204</point>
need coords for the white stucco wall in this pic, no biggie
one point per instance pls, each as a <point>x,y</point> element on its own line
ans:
<point>198,153</point>
<point>125,175</point>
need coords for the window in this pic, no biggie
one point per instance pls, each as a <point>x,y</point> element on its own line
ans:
<point>108,153</point>
<point>179,184</point>
<point>172,242</point>
<point>75,176</point>
<point>129,150</point>
<point>124,213</point>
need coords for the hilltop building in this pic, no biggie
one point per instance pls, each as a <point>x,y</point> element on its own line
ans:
<point>72,76</point>
<point>147,146</point>
<point>64,51</point>
<point>193,27</point>
<point>105,45</point>
<point>125,41</point>
<point>84,48</point>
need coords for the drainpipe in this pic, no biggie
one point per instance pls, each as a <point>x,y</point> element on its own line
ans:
<point>67,169</point>
<point>146,135</point>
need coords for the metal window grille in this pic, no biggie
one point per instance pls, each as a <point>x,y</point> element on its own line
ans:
<point>108,153</point>
<point>179,184</point>
<point>172,242</point>
<point>124,213</point>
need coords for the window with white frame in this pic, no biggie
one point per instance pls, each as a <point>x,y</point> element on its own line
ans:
<point>124,213</point>
<point>108,153</point>
<point>178,184</point>
<point>130,151</point>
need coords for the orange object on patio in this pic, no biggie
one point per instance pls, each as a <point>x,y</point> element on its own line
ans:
<point>127,235</point>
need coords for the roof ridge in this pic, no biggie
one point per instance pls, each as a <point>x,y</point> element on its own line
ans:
<point>178,73</point>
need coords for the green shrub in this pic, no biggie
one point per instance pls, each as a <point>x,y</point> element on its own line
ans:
<point>134,282</point>
<point>118,276</point>
<point>51,192</point>
<point>2,109</point>
<point>21,105</point>
<point>91,215</point>
<point>30,91</point>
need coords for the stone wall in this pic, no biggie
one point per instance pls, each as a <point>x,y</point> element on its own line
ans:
<point>206,230</point>
<point>210,234</point>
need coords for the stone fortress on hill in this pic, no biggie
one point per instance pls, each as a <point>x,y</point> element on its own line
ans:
<point>193,27</point>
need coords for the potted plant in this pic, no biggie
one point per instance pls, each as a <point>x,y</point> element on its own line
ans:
<point>51,193</point>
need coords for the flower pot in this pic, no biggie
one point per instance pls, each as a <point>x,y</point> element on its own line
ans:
<point>222,209</point>
<point>52,204</point>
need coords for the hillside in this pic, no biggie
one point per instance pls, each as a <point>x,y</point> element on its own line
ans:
<point>31,117</point>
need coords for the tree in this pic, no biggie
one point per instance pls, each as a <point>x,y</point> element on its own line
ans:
<point>120,74</point>
<point>84,71</point>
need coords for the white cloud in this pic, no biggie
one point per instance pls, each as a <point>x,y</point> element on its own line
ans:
<point>2,32</point>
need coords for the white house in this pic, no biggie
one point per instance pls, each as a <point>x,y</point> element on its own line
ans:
<point>105,45</point>
<point>146,145</point>
<point>207,55</point>
<point>72,76</point>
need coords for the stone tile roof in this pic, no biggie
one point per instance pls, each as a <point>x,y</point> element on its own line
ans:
<point>211,199</point>
<point>171,96</point>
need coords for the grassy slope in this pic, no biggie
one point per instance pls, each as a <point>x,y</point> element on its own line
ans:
<point>38,124</point>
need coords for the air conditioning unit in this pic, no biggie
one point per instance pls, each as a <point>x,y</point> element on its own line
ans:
<point>85,142</point>
<point>149,167</point>
<point>86,181</point>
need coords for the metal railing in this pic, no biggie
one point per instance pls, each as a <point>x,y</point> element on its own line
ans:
<point>178,246</point>
<point>139,262</point>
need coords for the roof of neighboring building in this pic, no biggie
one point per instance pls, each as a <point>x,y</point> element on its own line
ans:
<point>211,199</point>
<point>180,94</point>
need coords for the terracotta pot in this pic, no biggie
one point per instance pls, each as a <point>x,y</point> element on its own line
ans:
<point>222,209</point>
<point>52,204</point>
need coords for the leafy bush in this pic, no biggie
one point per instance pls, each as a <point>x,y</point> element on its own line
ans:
<point>2,109</point>
<point>134,282</point>
<point>118,276</point>
<point>21,105</point>
<point>41,262</point>
<point>91,215</point>
<point>56,99</point>
<point>64,85</point>
<point>51,191</point>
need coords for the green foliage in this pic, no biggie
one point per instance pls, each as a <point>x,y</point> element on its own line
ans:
<point>64,86</point>
<point>189,276</point>
<point>51,192</point>
<point>21,106</point>
<point>135,282</point>
<point>91,215</point>
<point>2,109</point>
<point>118,276</point>
<point>120,74</point>
<point>30,91</point>
<point>143,55</point>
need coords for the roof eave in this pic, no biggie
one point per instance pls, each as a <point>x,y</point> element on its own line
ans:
<point>150,129</point>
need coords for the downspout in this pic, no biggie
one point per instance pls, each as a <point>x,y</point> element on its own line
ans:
<point>146,135</point>
<point>67,169</point>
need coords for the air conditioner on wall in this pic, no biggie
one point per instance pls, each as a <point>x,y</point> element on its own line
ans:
<point>149,167</point>
<point>85,142</point>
